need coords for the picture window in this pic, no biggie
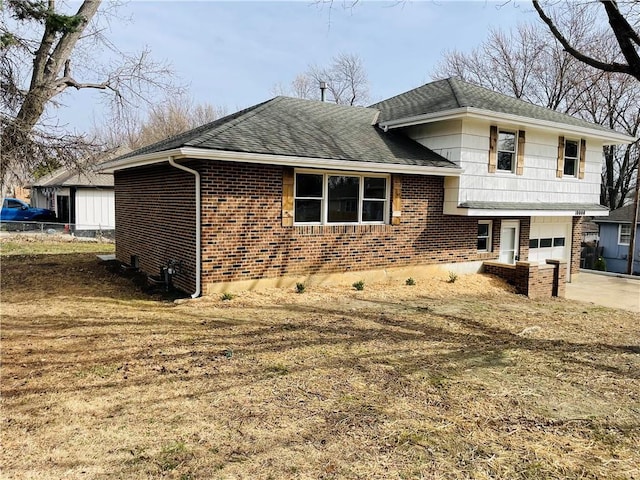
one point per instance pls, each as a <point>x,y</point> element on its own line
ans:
<point>326,198</point>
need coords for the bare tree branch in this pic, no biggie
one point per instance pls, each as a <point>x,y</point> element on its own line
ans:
<point>38,47</point>
<point>621,28</point>
<point>346,80</point>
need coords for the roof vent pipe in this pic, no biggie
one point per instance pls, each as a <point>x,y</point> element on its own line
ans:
<point>323,87</point>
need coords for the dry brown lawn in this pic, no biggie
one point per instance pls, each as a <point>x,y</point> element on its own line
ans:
<point>438,381</point>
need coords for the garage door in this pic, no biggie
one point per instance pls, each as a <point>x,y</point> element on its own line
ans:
<point>550,237</point>
<point>95,209</point>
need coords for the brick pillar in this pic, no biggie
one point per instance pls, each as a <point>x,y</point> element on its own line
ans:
<point>576,245</point>
<point>559,277</point>
<point>526,274</point>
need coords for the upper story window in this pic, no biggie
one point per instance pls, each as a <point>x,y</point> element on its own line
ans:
<point>624,234</point>
<point>327,198</point>
<point>571,156</point>
<point>506,150</point>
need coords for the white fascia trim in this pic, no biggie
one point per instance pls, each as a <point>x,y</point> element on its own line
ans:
<point>140,161</point>
<point>284,160</point>
<point>609,138</point>
<point>479,212</point>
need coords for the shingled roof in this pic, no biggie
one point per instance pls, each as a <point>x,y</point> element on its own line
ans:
<point>619,215</point>
<point>72,178</point>
<point>302,128</point>
<point>453,93</point>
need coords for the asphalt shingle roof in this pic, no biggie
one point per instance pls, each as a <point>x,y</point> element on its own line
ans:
<point>453,93</point>
<point>70,178</point>
<point>305,128</point>
<point>619,215</point>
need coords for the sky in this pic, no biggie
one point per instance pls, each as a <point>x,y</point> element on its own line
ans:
<point>232,54</point>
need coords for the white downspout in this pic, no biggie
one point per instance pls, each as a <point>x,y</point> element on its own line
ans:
<point>198,292</point>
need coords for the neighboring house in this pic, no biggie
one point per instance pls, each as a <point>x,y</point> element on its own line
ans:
<point>590,231</point>
<point>615,234</point>
<point>84,200</point>
<point>448,175</point>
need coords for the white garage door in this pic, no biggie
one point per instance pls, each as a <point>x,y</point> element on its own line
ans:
<point>550,237</point>
<point>95,209</point>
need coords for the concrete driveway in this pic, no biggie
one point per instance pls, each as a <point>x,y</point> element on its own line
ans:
<point>608,290</point>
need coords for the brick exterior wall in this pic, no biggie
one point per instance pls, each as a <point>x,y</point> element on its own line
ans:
<point>155,220</point>
<point>243,237</point>
<point>531,279</point>
<point>576,245</point>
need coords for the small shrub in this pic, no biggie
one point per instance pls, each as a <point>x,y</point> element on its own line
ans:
<point>300,287</point>
<point>410,281</point>
<point>453,276</point>
<point>359,285</point>
<point>600,264</point>
<point>227,296</point>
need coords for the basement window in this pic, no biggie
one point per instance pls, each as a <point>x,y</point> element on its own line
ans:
<point>347,198</point>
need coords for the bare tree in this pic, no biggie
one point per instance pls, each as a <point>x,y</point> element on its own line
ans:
<point>45,51</point>
<point>346,80</point>
<point>169,117</point>
<point>523,63</point>
<point>623,25</point>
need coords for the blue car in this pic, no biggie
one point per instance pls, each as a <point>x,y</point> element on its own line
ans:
<point>14,210</point>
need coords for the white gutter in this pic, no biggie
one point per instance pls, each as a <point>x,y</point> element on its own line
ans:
<point>283,160</point>
<point>196,175</point>
<point>505,118</point>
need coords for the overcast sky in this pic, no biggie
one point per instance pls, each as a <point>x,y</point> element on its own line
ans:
<point>231,54</point>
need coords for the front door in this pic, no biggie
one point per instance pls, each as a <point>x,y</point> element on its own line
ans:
<point>509,240</point>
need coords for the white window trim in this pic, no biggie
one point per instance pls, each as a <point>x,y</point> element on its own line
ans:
<point>514,159</point>
<point>576,159</point>
<point>489,237</point>
<point>620,242</point>
<point>324,199</point>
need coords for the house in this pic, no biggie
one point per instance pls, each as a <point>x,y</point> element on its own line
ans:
<point>83,200</point>
<point>615,235</point>
<point>446,176</point>
<point>590,231</point>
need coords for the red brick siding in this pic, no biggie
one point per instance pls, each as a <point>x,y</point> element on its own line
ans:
<point>243,237</point>
<point>155,220</point>
<point>576,244</point>
<point>531,279</point>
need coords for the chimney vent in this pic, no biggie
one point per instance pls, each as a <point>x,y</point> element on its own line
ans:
<point>323,87</point>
